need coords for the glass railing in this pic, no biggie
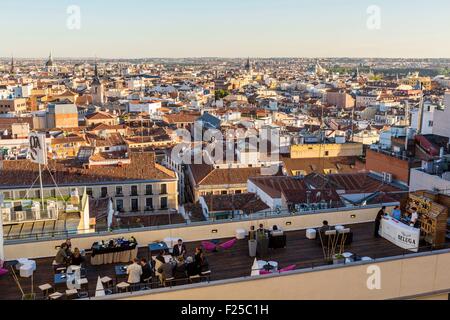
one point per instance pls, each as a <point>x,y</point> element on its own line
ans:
<point>225,217</point>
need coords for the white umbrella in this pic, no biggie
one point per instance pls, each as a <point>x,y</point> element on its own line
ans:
<point>255,268</point>
<point>100,290</point>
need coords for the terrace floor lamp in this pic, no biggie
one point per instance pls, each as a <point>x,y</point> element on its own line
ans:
<point>28,274</point>
<point>329,247</point>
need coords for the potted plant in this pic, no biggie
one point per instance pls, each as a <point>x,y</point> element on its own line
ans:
<point>338,259</point>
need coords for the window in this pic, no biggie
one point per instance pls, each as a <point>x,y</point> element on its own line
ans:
<point>134,205</point>
<point>224,192</point>
<point>119,192</point>
<point>104,192</point>
<point>88,192</point>
<point>163,189</point>
<point>164,203</point>
<point>238,192</point>
<point>149,190</point>
<point>134,191</point>
<point>430,123</point>
<point>327,153</point>
<point>119,205</point>
<point>149,203</point>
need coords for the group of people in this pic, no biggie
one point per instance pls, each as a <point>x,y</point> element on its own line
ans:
<point>178,267</point>
<point>66,257</point>
<point>253,233</point>
<point>412,219</point>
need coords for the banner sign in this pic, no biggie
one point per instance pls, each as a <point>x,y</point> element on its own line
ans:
<point>400,234</point>
<point>37,149</point>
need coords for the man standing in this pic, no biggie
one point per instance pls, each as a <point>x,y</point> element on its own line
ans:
<point>134,272</point>
<point>179,249</point>
<point>380,216</point>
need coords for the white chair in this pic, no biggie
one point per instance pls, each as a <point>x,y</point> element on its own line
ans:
<point>347,255</point>
<point>311,234</point>
<point>241,234</point>
<point>20,263</point>
<point>72,269</point>
<point>26,270</point>
<point>274,265</point>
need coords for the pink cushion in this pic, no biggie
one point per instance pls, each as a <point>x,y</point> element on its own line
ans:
<point>228,244</point>
<point>264,272</point>
<point>209,246</point>
<point>3,272</point>
<point>290,268</point>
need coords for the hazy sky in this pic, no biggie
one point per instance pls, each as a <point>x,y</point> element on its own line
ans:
<point>225,28</point>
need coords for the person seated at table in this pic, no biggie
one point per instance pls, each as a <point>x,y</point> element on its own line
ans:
<point>146,270</point>
<point>325,227</point>
<point>194,267</point>
<point>204,265</point>
<point>134,272</point>
<point>69,247</point>
<point>179,249</point>
<point>61,257</point>
<point>276,232</point>
<point>179,271</point>
<point>165,271</point>
<point>159,261</point>
<point>76,259</point>
<point>397,213</point>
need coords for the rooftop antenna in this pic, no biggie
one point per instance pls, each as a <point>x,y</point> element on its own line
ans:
<point>421,107</point>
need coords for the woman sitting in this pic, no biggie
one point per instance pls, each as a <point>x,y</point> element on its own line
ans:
<point>179,271</point>
<point>61,258</point>
<point>77,259</point>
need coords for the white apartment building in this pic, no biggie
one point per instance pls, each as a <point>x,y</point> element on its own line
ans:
<point>441,124</point>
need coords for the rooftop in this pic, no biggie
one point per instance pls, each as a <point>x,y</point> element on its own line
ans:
<point>22,173</point>
<point>230,264</point>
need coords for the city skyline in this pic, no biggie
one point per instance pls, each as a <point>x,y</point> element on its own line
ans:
<point>263,29</point>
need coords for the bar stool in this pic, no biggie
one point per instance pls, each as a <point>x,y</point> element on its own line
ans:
<point>123,287</point>
<point>71,294</point>
<point>169,280</point>
<point>45,288</point>
<point>56,296</point>
<point>194,277</point>
<point>206,274</point>
<point>107,282</point>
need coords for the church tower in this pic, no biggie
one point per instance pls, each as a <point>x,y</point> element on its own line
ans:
<point>50,66</point>
<point>97,89</point>
<point>13,68</point>
<point>248,66</point>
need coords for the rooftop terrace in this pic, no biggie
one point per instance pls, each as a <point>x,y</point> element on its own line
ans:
<point>225,265</point>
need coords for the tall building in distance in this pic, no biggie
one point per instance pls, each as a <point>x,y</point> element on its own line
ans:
<point>248,66</point>
<point>50,65</point>
<point>13,67</point>
<point>98,90</point>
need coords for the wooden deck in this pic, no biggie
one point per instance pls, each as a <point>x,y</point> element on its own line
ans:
<point>230,264</point>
